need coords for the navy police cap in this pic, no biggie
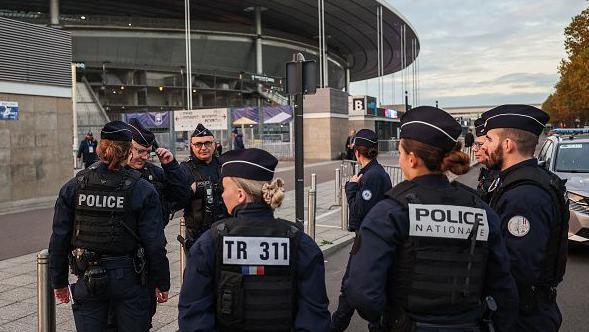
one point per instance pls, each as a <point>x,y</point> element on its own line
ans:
<point>116,131</point>
<point>523,117</point>
<point>140,134</point>
<point>366,137</point>
<point>431,126</point>
<point>479,127</point>
<point>253,164</point>
<point>201,131</point>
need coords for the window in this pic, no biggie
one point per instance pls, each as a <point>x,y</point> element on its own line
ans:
<point>573,157</point>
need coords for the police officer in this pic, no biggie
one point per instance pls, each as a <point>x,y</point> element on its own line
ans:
<point>428,255</point>
<point>170,180</point>
<point>253,272</point>
<point>107,224</point>
<point>363,191</point>
<point>486,175</point>
<point>534,213</point>
<point>203,169</point>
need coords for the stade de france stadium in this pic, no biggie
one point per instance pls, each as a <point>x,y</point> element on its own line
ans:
<point>130,58</point>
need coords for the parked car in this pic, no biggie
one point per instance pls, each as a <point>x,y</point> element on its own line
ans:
<point>566,153</point>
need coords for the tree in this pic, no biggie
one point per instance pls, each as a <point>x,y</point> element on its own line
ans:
<point>570,101</point>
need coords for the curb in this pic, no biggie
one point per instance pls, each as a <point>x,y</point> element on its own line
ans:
<point>337,244</point>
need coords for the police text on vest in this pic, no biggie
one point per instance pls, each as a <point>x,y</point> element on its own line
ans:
<point>447,221</point>
<point>101,201</point>
<point>241,250</point>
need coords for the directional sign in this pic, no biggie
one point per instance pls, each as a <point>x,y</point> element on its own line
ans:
<point>212,119</point>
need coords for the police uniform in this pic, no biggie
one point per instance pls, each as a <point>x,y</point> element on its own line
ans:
<point>206,205</point>
<point>486,176</point>
<point>361,197</point>
<point>427,256</point>
<point>253,272</point>
<point>105,224</point>
<point>170,180</point>
<point>534,214</point>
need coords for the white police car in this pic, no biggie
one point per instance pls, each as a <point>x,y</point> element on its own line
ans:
<point>566,153</point>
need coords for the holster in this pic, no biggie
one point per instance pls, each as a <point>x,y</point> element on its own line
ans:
<point>140,265</point>
<point>96,278</point>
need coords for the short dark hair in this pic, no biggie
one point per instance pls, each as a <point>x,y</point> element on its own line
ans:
<point>367,152</point>
<point>525,141</point>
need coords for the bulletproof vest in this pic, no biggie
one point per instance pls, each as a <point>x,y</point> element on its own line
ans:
<point>440,268</point>
<point>255,274</point>
<point>486,178</point>
<point>555,258</point>
<point>206,205</point>
<point>101,209</point>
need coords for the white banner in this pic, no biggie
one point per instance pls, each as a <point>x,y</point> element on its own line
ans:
<point>212,119</point>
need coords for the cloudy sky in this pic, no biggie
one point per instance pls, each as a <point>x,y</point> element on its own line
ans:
<point>484,52</point>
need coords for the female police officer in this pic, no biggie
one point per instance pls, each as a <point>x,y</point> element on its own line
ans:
<point>107,221</point>
<point>427,256</point>
<point>253,272</point>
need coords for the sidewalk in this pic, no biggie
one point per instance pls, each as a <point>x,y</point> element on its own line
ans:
<point>18,280</point>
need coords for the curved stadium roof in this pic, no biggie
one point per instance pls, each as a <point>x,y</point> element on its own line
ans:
<point>350,25</point>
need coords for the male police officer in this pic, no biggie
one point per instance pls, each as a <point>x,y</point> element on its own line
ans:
<point>486,174</point>
<point>170,180</point>
<point>203,168</point>
<point>363,191</point>
<point>427,256</point>
<point>533,210</point>
<point>107,222</point>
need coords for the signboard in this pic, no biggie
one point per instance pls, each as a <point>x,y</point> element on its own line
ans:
<point>8,110</point>
<point>371,105</point>
<point>151,120</point>
<point>357,105</point>
<point>212,119</point>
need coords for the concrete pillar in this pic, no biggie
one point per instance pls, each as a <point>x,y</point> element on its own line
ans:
<point>54,11</point>
<point>347,84</point>
<point>259,66</point>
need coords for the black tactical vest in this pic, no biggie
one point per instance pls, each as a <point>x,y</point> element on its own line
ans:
<point>206,206</point>
<point>555,257</point>
<point>255,274</point>
<point>436,274</point>
<point>486,179</point>
<point>102,206</point>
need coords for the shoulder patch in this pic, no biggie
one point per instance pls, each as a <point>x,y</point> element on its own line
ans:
<point>518,226</point>
<point>366,195</point>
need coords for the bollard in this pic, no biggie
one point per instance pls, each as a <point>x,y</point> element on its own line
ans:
<point>338,184</point>
<point>182,251</point>
<point>312,206</point>
<point>344,216</point>
<point>45,298</point>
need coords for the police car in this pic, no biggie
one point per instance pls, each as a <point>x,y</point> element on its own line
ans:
<point>566,153</point>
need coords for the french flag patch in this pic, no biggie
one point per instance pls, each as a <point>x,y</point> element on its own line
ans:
<point>252,270</point>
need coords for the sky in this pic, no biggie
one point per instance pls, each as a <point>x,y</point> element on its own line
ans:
<point>483,52</point>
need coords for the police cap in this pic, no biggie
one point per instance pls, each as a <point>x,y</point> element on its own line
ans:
<point>479,127</point>
<point>201,131</point>
<point>432,126</point>
<point>141,135</point>
<point>523,117</point>
<point>116,131</point>
<point>366,137</point>
<point>253,164</point>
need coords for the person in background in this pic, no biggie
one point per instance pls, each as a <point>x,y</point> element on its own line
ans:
<point>486,175</point>
<point>87,150</point>
<point>237,140</point>
<point>350,145</point>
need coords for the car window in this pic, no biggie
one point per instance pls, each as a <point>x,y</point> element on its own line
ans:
<point>573,157</point>
<point>542,154</point>
<point>549,153</point>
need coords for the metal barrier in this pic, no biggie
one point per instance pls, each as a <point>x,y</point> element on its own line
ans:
<point>344,214</point>
<point>45,298</point>
<point>338,184</point>
<point>182,251</point>
<point>395,173</point>
<point>312,206</point>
